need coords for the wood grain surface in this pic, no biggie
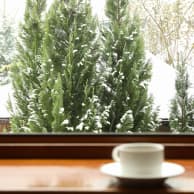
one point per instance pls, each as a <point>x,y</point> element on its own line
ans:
<point>80,176</point>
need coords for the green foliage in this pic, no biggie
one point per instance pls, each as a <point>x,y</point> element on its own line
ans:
<point>26,70</point>
<point>56,64</point>
<point>182,106</point>
<point>126,77</point>
<point>58,110</point>
<point>69,50</point>
<point>64,82</point>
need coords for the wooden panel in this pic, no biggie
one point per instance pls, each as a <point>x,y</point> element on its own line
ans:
<point>79,151</point>
<point>93,138</point>
<point>80,176</point>
<point>87,146</point>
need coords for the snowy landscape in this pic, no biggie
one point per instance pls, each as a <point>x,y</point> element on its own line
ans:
<point>162,84</point>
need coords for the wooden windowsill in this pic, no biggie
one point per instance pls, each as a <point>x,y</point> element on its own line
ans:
<point>80,176</point>
<point>70,163</point>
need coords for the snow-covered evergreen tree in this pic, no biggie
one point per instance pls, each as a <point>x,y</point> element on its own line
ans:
<point>61,85</point>
<point>70,53</point>
<point>125,72</point>
<point>26,70</point>
<point>182,106</point>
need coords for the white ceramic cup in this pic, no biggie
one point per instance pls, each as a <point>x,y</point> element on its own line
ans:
<point>139,159</point>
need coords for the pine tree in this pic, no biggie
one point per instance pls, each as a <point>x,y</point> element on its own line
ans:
<point>26,70</point>
<point>68,73</point>
<point>125,72</point>
<point>182,106</point>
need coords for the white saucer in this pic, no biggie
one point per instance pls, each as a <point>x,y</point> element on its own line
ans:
<point>168,170</point>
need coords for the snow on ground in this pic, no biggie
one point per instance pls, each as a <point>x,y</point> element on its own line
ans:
<point>161,87</point>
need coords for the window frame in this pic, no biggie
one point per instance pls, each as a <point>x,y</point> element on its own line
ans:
<point>82,146</point>
<point>85,145</point>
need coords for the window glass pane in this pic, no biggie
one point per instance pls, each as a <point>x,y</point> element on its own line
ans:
<point>76,71</point>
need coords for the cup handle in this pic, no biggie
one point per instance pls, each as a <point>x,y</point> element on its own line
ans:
<point>115,154</point>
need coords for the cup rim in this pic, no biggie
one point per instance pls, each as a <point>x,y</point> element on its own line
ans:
<point>157,147</point>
